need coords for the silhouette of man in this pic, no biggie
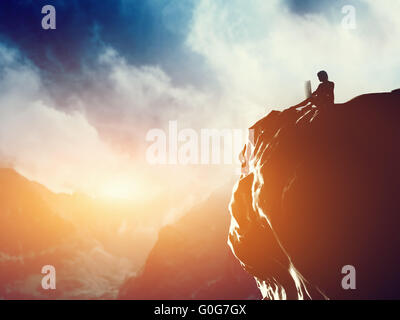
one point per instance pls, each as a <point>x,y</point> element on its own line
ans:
<point>323,96</point>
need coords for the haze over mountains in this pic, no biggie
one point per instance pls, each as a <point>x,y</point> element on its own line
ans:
<point>97,247</point>
<point>191,259</point>
<point>76,234</point>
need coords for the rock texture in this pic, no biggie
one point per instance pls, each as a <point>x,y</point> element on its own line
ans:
<point>321,192</point>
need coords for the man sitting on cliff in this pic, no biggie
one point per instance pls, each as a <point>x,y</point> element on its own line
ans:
<point>323,96</point>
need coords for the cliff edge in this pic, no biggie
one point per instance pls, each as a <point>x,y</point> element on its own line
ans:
<point>320,193</point>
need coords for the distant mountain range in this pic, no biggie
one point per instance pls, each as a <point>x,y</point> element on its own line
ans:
<point>98,246</point>
<point>191,259</point>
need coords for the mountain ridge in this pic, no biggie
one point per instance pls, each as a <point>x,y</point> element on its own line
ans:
<point>191,260</point>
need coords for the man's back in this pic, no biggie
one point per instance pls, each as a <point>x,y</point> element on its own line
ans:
<point>324,95</point>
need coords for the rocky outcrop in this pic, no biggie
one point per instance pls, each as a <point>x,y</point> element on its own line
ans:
<point>191,260</point>
<point>320,193</point>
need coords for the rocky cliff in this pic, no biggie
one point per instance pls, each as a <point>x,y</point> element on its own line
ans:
<point>321,192</point>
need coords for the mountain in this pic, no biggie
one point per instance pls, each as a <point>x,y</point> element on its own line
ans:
<point>27,223</point>
<point>29,231</point>
<point>321,193</point>
<point>78,235</point>
<point>96,244</point>
<point>191,260</point>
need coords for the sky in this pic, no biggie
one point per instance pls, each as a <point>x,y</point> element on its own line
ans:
<point>76,103</point>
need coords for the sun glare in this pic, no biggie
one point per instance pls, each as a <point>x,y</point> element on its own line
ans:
<point>122,190</point>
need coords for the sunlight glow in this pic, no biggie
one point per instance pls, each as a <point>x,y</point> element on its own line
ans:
<point>119,189</point>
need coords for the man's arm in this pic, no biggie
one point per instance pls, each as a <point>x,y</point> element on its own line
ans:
<point>316,92</point>
<point>308,100</point>
<point>303,103</point>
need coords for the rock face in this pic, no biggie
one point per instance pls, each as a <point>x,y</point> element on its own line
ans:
<point>320,194</point>
<point>191,260</point>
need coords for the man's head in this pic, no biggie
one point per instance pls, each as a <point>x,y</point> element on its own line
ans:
<point>322,76</point>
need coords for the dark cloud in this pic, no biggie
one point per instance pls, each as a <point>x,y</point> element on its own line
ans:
<point>328,7</point>
<point>308,6</point>
<point>144,32</point>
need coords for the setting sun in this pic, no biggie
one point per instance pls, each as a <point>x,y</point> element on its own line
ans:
<point>119,189</point>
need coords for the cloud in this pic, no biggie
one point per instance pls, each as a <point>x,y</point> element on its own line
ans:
<point>125,101</point>
<point>258,54</point>
<point>96,141</point>
<point>144,32</point>
<point>262,52</point>
<point>61,149</point>
<point>135,98</point>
